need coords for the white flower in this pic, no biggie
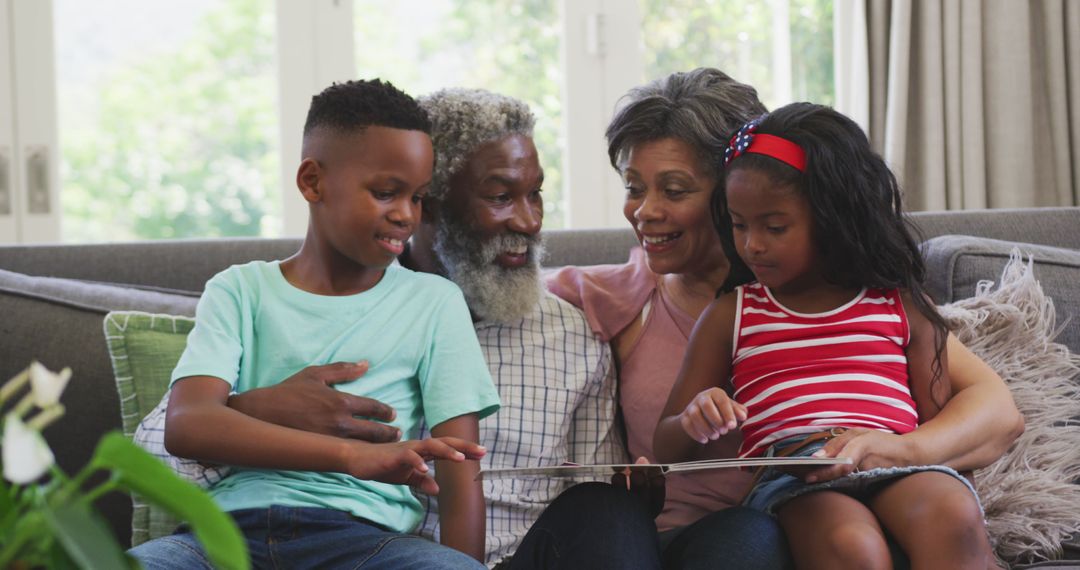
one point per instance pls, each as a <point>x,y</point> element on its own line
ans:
<point>47,385</point>
<point>26,455</point>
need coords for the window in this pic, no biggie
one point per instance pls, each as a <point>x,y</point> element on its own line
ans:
<point>167,119</point>
<point>170,118</point>
<point>516,54</point>
<point>781,47</point>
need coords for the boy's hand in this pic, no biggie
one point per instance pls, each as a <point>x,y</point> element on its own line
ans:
<point>710,415</point>
<point>307,401</point>
<point>405,463</point>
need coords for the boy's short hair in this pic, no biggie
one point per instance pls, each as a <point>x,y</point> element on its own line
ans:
<point>355,105</point>
<point>466,119</point>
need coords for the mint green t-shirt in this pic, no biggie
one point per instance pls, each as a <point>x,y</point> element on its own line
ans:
<point>254,329</point>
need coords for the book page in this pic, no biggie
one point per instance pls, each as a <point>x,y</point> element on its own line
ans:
<point>584,471</point>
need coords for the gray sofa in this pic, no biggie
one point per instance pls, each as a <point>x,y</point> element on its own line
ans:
<point>53,298</point>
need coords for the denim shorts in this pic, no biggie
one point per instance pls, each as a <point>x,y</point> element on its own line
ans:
<point>775,488</point>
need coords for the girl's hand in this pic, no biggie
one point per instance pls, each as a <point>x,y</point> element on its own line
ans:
<point>405,463</point>
<point>710,415</point>
<point>867,449</point>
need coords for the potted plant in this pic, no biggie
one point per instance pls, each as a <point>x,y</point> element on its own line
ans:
<point>47,518</point>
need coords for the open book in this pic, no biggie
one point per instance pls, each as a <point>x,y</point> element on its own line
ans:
<point>574,470</point>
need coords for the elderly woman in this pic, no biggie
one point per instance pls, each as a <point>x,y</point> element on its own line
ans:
<point>665,142</point>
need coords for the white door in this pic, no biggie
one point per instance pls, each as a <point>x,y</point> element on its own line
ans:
<point>29,163</point>
<point>9,229</point>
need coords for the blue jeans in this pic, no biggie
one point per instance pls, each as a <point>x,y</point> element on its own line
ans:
<point>294,537</point>
<point>597,525</point>
<point>736,537</point>
<point>591,525</point>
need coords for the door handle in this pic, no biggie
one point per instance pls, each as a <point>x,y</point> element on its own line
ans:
<point>5,181</point>
<point>37,180</point>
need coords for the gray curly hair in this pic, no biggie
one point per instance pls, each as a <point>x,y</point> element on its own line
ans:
<point>702,108</point>
<point>462,120</point>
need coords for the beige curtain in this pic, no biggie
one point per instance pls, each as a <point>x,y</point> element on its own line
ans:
<point>974,103</point>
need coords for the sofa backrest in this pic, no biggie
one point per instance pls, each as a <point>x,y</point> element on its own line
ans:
<point>187,264</point>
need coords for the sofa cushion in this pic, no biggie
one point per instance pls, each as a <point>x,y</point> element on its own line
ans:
<point>956,264</point>
<point>144,349</point>
<point>58,322</point>
<point>1030,495</point>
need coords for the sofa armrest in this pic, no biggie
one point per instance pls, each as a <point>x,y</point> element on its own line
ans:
<point>956,264</point>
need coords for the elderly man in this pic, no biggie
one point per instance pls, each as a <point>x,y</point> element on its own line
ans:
<point>481,229</point>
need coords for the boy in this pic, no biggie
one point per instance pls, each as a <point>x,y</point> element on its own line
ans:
<point>301,498</point>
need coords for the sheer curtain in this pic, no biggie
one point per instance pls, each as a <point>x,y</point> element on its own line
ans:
<point>974,103</point>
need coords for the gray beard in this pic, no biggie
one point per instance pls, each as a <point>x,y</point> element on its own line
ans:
<point>493,293</point>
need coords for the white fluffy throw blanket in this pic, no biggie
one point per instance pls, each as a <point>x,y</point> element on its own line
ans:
<point>1031,500</point>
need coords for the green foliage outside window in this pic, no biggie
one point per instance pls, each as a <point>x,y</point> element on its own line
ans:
<point>512,46</point>
<point>812,51</point>
<point>184,143</point>
<point>508,46</point>
<point>736,37</point>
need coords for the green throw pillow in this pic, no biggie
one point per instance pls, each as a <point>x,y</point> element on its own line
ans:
<point>144,349</point>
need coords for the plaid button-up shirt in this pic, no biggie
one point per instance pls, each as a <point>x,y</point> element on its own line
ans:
<point>556,381</point>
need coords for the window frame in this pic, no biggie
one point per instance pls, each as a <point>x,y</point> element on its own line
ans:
<point>28,132</point>
<point>601,58</point>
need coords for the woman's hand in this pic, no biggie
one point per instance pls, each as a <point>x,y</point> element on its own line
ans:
<point>710,415</point>
<point>867,449</point>
<point>649,484</point>
<point>972,430</point>
<point>405,463</point>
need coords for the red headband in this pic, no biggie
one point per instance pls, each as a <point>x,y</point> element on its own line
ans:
<point>746,140</point>
<point>780,149</point>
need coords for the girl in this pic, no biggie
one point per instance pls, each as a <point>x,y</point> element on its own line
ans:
<point>823,325</point>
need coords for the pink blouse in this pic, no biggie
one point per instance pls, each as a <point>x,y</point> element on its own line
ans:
<point>612,296</point>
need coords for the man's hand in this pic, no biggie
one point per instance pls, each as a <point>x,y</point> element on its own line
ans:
<point>710,415</point>
<point>307,401</point>
<point>867,449</point>
<point>646,484</point>
<point>405,463</point>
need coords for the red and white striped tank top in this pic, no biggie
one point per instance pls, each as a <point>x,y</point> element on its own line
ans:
<point>801,373</point>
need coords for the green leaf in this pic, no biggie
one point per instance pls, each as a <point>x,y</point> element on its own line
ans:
<point>25,541</point>
<point>136,470</point>
<point>60,560</point>
<point>84,537</point>
<point>7,499</point>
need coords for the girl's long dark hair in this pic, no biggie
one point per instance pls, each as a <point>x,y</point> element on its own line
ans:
<point>862,235</point>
